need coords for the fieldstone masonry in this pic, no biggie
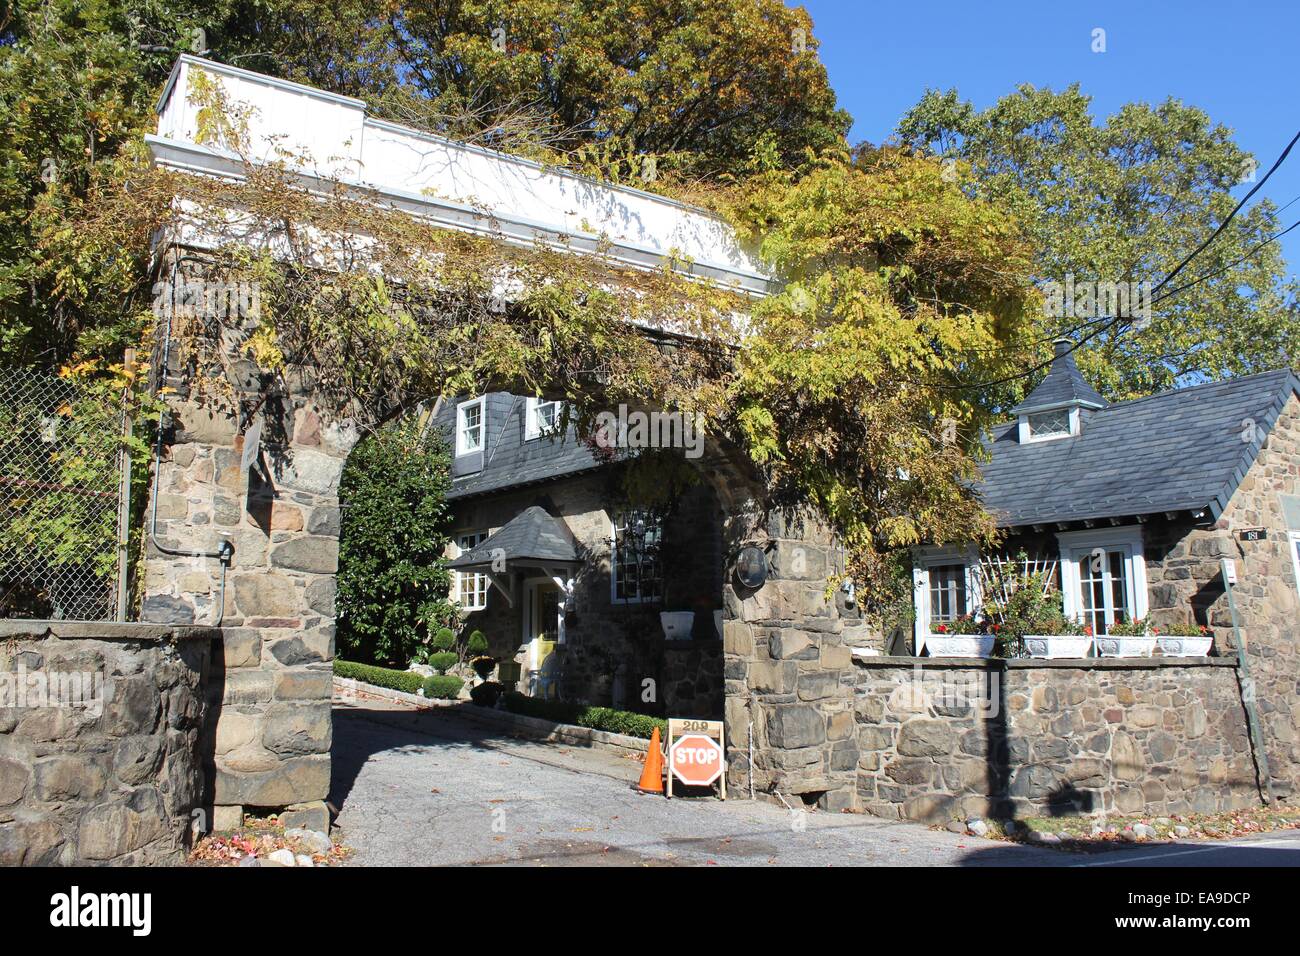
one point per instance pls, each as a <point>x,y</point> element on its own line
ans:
<point>943,739</point>
<point>107,767</point>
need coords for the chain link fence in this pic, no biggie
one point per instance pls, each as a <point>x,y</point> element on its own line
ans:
<point>61,472</point>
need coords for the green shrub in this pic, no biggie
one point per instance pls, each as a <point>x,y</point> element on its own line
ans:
<point>442,686</point>
<point>486,694</point>
<point>393,580</point>
<point>405,681</point>
<point>477,645</point>
<point>483,666</point>
<point>442,660</point>
<point>596,718</point>
<point>444,639</point>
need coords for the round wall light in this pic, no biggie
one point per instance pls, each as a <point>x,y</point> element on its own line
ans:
<point>751,567</point>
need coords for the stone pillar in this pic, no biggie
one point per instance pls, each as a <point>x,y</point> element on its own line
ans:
<point>270,695</point>
<point>788,672</point>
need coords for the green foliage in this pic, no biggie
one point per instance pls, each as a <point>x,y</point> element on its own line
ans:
<point>444,639</point>
<point>392,579</point>
<point>407,682</point>
<point>443,660</point>
<point>477,645</point>
<point>442,687</point>
<point>1125,199</point>
<point>1139,627</point>
<point>582,715</point>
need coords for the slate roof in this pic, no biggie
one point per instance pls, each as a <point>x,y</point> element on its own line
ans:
<point>1180,450</point>
<point>530,538</point>
<point>509,459</point>
<point>1063,385</point>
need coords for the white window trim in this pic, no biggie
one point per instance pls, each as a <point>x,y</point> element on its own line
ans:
<point>1076,544</point>
<point>460,549</point>
<point>1028,438</point>
<point>1293,542</point>
<point>923,559</point>
<point>481,402</point>
<point>613,571</point>
<point>532,429</point>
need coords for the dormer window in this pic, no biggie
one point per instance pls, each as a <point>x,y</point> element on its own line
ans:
<point>542,417</point>
<point>469,426</point>
<point>1049,424</point>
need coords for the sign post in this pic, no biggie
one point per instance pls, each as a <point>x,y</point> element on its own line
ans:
<point>696,755</point>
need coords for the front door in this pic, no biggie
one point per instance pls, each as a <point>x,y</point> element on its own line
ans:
<point>545,610</point>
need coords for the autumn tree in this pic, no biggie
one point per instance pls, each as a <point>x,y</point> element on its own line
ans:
<point>1125,199</point>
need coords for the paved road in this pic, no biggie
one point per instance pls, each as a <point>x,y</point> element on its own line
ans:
<point>427,788</point>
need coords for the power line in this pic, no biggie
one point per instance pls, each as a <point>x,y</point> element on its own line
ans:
<point>1113,321</point>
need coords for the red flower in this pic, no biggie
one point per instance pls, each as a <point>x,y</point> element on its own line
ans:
<point>942,628</point>
<point>1087,630</point>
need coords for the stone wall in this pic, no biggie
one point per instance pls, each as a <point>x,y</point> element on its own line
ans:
<point>943,740</point>
<point>100,741</point>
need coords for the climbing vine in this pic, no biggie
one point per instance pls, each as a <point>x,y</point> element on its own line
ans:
<point>844,389</point>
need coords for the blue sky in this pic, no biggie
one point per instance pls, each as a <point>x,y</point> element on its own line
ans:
<point>1236,61</point>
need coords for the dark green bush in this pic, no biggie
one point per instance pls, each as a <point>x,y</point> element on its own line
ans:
<point>444,639</point>
<point>483,666</point>
<point>442,686</point>
<point>597,718</point>
<point>486,694</point>
<point>477,645</point>
<point>405,681</point>
<point>442,660</point>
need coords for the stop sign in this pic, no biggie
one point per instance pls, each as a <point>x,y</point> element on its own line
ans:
<point>696,760</point>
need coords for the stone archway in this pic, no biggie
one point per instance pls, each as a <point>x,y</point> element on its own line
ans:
<point>788,691</point>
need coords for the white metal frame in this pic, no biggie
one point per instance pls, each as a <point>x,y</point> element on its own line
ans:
<point>1078,544</point>
<point>461,408</point>
<point>927,557</point>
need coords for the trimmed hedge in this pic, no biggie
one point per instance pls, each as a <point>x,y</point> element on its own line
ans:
<point>596,718</point>
<point>443,686</point>
<point>405,681</point>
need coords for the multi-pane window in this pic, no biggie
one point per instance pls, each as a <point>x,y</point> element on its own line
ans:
<point>634,557</point>
<point>947,592</point>
<point>542,418</point>
<point>1104,588</point>
<point>469,427</point>
<point>1048,424</point>
<point>471,589</point>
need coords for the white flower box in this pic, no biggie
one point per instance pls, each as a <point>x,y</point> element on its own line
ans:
<point>1058,645</point>
<point>677,624</point>
<point>959,645</point>
<point>1185,646</point>
<point>1110,646</point>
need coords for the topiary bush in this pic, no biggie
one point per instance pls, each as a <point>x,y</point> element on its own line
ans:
<point>477,645</point>
<point>442,686</point>
<point>443,660</point>
<point>405,681</point>
<point>486,694</point>
<point>444,639</point>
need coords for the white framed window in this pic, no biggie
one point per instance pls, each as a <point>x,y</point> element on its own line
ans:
<point>1049,424</point>
<point>635,573</point>
<point>470,589</point>
<point>946,586</point>
<point>470,425</point>
<point>540,418</point>
<point>1103,576</point>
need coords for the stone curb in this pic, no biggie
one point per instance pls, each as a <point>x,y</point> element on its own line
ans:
<point>532,727</point>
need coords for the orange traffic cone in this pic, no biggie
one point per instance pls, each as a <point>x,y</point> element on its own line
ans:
<point>652,776</point>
